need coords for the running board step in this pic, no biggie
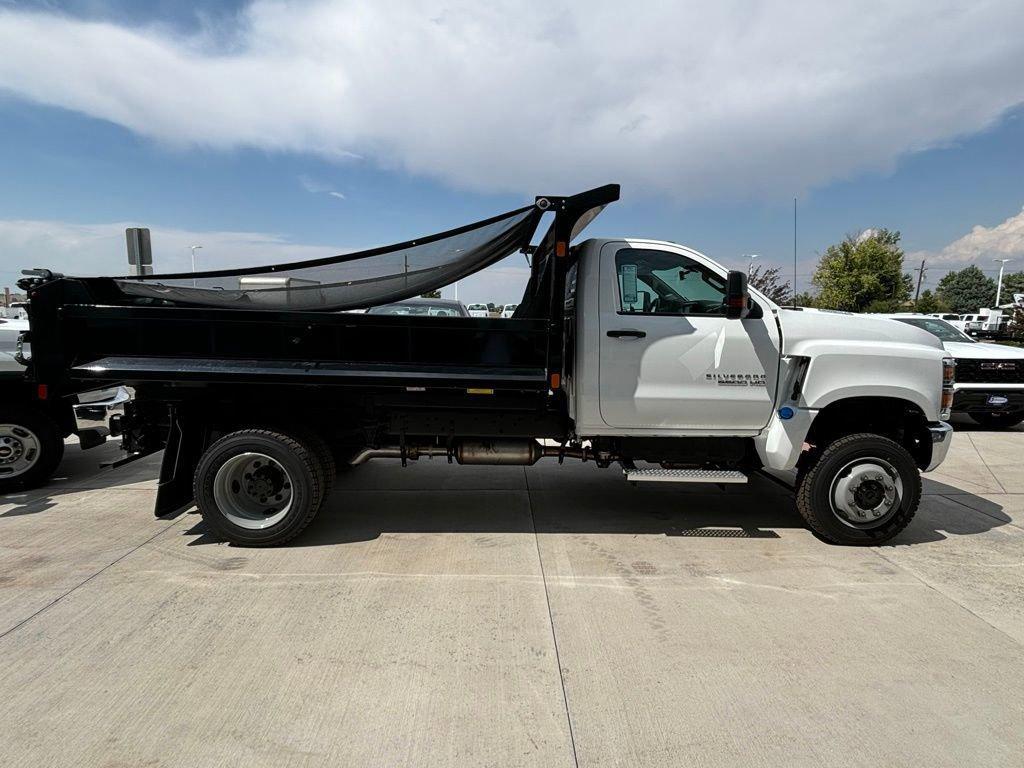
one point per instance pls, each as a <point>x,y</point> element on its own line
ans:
<point>684,476</point>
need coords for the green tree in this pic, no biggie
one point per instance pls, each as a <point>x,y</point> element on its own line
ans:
<point>431,295</point>
<point>805,300</point>
<point>863,272</point>
<point>1016,325</point>
<point>967,290</point>
<point>769,282</point>
<point>1012,283</point>
<point>928,303</point>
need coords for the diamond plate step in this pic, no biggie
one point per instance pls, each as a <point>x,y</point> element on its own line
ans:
<point>684,476</point>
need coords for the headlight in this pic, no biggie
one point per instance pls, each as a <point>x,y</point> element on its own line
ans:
<point>948,379</point>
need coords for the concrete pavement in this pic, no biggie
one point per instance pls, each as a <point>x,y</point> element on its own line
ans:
<point>553,616</point>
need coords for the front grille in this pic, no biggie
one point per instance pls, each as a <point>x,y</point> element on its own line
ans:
<point>989,371</point>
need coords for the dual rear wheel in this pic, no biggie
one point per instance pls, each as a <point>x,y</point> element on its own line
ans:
<point>262,487</point>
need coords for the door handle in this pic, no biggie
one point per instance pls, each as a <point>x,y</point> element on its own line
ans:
<point>627,333</point>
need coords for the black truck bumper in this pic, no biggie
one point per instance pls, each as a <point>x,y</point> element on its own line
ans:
<point>994,400</point>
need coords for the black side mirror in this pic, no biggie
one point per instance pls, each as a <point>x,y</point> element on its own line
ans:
<point>737,298</point>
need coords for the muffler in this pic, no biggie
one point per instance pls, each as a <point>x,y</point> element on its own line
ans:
<point>498,452</point>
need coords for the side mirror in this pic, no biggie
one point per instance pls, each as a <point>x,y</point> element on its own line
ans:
<point>737,298</point>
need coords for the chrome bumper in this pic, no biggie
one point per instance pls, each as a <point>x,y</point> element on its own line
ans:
<point>95,415</point>
<point>942,435</point>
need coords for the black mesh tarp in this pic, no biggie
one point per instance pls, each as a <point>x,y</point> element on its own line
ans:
<point>537,294</point>
<point>349,281</point>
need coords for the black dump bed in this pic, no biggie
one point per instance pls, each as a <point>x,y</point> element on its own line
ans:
<point>289,323</point>
<point>229,345</point>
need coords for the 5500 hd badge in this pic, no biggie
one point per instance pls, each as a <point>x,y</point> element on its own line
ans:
<point>736,379</point>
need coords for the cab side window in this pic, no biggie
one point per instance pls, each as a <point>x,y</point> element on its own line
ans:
<point>665,283</point>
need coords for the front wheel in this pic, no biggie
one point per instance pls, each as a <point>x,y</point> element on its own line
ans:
<point>31,447</point>
<point>860,489</point>
<point>998,420</point>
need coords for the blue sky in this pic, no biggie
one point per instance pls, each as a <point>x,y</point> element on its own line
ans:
<point>85,149</point>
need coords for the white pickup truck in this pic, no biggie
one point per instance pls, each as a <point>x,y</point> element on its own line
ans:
<point>638,353</point>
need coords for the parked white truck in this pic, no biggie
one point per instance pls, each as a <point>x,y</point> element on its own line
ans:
<point>640,353</point>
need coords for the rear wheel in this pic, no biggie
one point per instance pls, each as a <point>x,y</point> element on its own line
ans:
<point>258,488</point>
<point>326,465</point>
<point>998,420</point>
<point>860,489</point>
<point>31,447</point>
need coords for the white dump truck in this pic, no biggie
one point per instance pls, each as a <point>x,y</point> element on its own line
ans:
<point>635,353</point>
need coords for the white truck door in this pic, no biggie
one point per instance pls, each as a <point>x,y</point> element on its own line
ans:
<point>669,358</point>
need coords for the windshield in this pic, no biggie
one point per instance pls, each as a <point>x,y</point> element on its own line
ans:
<point>936,327</point>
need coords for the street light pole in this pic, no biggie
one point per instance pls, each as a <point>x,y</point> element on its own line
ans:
<point>194,248</point>
<point>750,261</point>
<point>999,285</point>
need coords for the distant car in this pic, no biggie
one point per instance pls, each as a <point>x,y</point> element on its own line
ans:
<point>508,310</point>
<point>478,310</point>
<point>973,323</point>
<point>989,384</point>
<point>422,308</point>
<point>953,319</point>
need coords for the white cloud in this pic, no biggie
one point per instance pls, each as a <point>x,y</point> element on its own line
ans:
<point>982,244</point>
<point>99,249</point>
<point>695,99</point>
<point>315,187</point>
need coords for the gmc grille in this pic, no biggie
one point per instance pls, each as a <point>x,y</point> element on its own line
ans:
<point>990,371</point>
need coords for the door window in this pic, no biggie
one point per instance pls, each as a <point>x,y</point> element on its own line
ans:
<point>666,283</point>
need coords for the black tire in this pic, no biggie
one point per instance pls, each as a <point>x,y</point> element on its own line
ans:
<point>47,443</point>
<point>303,470</point>
<point>998,420</point>
<point>815,486</point>
<point>325,458</point>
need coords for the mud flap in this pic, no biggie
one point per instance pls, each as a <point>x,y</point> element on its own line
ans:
<point>185,442</point>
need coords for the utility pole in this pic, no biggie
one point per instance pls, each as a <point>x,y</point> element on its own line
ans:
<point>194,248</point>
<point>794,253</point>
<point>920,277</point>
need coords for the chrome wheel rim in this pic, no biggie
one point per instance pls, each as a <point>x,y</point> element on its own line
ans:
<point>19,450</point>
<point>253,490</point>
<point>866,492</point>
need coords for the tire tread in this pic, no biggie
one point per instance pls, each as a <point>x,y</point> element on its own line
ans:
<point>304,453</point>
